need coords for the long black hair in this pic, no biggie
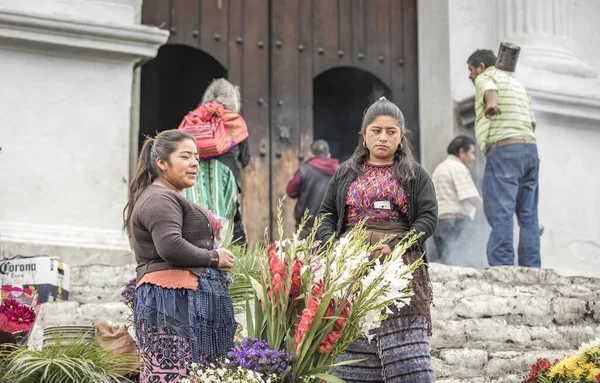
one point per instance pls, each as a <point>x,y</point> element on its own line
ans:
<point>403,158</point>
<point>147,171</point>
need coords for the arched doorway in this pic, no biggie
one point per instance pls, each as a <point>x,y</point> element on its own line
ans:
<point>172,84</point>
<point>340,97</point>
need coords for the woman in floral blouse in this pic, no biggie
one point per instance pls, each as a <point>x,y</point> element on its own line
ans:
<point>384,185</point>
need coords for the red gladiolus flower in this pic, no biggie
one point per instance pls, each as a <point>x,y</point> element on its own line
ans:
<point>296,281</point>
<point>277,269</point>
<point>308,314</point>
<point>277,283</point>
<point>325,347</point>
<point>327,344</point>
<point>317,289</point>
<point>598,377</point>
<point>276,266</point>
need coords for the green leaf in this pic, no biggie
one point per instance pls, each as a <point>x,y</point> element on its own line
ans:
<point>330,378</point>
<point>258,289</point>
<point>346,362</point>
<point>79,360</point>
<point>249,320</point>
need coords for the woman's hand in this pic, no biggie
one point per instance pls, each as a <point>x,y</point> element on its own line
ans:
<point>385,249</point>
<point>380,251</point>
<point>226,259</point>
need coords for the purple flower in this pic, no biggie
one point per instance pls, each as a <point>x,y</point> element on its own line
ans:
<point>228,279</point>
<point>128,292</point>
<point>256,355</point>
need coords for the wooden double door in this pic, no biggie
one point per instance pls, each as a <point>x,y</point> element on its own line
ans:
<point>307,69</point>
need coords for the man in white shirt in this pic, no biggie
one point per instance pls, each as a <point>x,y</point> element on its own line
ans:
<point>458,199</point>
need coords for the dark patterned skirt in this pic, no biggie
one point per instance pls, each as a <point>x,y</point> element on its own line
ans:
<point>177,327</point>
<point>398,354</point>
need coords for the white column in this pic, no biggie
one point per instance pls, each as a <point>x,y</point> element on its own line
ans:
<point>65,126</point>
<point>543,30</point>
<point>434,81</point>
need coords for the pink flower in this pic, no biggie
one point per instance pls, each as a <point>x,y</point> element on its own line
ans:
<point>17,313</point>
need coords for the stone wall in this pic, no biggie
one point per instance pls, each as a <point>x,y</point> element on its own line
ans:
<point>497,322</point>
<point>488,325</point>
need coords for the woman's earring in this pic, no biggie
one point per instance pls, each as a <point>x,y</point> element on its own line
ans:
<point>364,145</point>
<point>401,145</point>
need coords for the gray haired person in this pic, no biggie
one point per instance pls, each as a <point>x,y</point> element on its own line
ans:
<point>238,157</point>
<point>228,95</point>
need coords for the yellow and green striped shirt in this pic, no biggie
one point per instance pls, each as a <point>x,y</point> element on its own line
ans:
<point>514,102</point>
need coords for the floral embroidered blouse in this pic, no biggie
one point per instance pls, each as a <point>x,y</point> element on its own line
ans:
<point>377,183</point>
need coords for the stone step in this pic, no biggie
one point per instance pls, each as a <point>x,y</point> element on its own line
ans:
<point>512,275</point>
<point>451,285</point>
<point>469,363</point>
<point>98,283</point>
<point>505,379</point>
<point>539,310</point>
<point>496,334</point>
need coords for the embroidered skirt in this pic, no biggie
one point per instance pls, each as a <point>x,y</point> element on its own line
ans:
<point>177,327</point>
<point>398,354</point>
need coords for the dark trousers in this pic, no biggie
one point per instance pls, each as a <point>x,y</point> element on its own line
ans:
<point>510,186</point>
<point>450,240</point>
<point>239,233</point>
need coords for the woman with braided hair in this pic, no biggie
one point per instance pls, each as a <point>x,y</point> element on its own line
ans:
<point>383,184</point>
<point>183,312</point>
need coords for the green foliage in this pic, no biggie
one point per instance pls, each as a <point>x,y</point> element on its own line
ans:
<point>77,361</point>
<point>248,261</point>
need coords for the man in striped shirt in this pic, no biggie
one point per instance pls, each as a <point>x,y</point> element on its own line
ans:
<point>458,200</point>
<point>504,127</point>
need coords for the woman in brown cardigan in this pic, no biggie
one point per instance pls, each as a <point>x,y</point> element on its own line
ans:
<point>183,311</point>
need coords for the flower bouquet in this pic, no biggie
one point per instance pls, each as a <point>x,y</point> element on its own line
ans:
<point>223,374</point>
<point>18,311</point>
<point>583,367</point>
<point>314,299</point>
<point>252,361</point>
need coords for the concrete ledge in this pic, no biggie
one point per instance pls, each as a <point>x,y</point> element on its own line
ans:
<point>34,32</point>
<point>71,255</point>
<point>60,235</point>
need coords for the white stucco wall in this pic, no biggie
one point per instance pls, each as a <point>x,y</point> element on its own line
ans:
<point>569,203</point>
<point>585,31</point>
<point>116,12</point>
<point>67,76</point>
<point>435,97</point>
<point>61,147</point>
<point>472,26</point>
